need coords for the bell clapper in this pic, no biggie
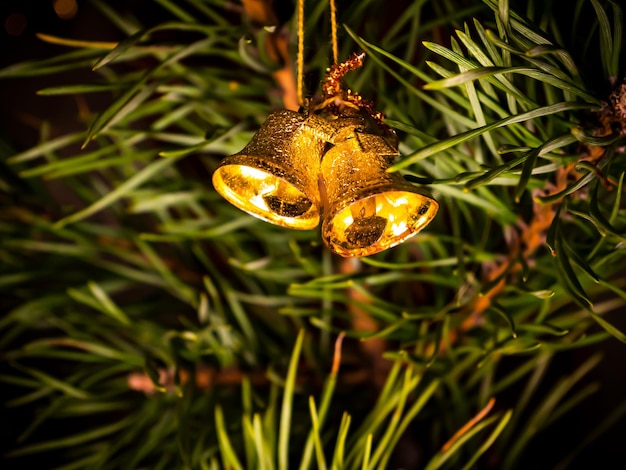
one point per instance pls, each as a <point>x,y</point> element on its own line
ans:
<point>286,201</point>
<point>366,228</point>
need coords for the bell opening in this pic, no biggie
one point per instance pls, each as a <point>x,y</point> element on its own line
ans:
<point>266,196</point>
<point>377,222</point>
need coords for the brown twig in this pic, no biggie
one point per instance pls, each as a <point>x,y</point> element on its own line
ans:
<point>611,118</point>
<point>204,378</point>
<point>207,378</point>
<point>524,242</point>
<point>362,321</point>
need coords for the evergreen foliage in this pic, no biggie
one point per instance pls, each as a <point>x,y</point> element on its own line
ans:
<point>147,323</point>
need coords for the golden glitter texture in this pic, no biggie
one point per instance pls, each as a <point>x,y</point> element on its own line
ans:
<point>369,209</point>
<point>275,177</point>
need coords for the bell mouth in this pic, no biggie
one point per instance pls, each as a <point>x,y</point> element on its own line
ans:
<point>377,222</point>
<point>266,196</point>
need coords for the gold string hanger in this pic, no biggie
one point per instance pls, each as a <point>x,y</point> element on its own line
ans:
<point>300,58</point>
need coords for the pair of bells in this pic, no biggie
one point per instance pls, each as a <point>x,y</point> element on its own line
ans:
<point>366,209</point>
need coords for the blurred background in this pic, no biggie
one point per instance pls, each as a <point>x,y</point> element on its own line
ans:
<point>23,112</point>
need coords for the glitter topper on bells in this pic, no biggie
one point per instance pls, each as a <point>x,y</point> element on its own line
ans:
<point>277,176</point>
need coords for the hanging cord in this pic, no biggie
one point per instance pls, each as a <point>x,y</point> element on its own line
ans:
<point>300,51</point>
<point>300,58</point>
<point>333,27</point>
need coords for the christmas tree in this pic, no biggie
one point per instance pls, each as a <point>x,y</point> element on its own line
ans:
<point>147,322</point>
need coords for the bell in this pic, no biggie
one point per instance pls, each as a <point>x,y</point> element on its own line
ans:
<point>275,176</point>
<point>368,209</point>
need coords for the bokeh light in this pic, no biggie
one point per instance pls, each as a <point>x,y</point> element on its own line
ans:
<point>15,24</point>
<point>65,9</point>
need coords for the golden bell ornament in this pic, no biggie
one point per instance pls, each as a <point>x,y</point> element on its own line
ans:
<point>275,176</point>
<point>368,209</point>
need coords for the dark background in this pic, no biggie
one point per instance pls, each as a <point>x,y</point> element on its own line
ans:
<point>22,113</point>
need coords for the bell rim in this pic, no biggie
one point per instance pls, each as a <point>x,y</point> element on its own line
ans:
<point>350,197</point>
<point>243,204</point>
<point>390,242</point>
